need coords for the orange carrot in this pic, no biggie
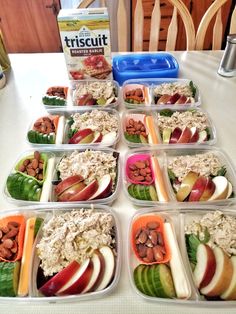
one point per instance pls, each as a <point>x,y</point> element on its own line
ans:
<point>152,136</point>
<point>55,120</point>
<point>20,219</point>
<point>159,181</point>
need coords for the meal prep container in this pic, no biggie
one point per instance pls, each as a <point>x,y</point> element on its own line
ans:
<point>33,191</point>
<point>45,214</point>
<point>160,191</point>
<point>60,137</point>
<point>140,115</point>
<point>178,272</point>
<point>79,83</point>
<point>137,66</point>
<point>149,96</point>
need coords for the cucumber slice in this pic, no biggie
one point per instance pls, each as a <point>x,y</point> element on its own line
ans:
<point>9,278</point>
<point>142,193</point>
<point>147,282</point>
<point>32,191</point>
<point>45,138</point>
<point>37,194</point>
<point>11,179</point>
<point>37,225</point>
<point>32,136</point>
<point>51,138</point>
<point>15,188</point>
<point>23,193</point>
<point>153,193</point>
<point>29,184</point>
<point>162,281</point>
<point>138,278</point>
<point>136,191</point>
<point>143,139</point>
<point>131,190</point>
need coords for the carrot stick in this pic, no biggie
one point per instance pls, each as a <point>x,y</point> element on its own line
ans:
<point>159,181</point>
<point>23,287</point>
<point>152,136</point>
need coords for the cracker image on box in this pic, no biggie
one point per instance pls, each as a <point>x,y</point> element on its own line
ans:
<point>85,38</point>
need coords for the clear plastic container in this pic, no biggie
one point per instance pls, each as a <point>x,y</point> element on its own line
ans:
<point>206,136</point>
<point>178,217</point>
<point>162,190</point>
<point>99,91</point>
<point>34,296</point>
<point>103,191</point>
<point>61,138</point>
<point>147,98</point>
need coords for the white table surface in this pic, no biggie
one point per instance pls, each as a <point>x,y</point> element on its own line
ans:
<point>20,102</point>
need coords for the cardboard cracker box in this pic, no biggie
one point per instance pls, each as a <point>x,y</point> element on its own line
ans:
<point>85,37</point>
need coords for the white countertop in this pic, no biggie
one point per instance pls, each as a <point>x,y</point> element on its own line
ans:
<point>20,103</point>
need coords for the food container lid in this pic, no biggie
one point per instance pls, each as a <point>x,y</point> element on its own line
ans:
<point>131,66</point>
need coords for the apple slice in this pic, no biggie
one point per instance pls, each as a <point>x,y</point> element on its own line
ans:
<point>182,100</point>
<point>82,137</point>
<point>74,189</point>
<point>67,183</point>
<point>166,135</point>
<point>86,193</point>
<point>163,99</point>
<point>104,188</point>
<point>230,190</point>
<point>97,137</point>
<point>221,188</point>
<point>198,189</point>
<point>205,267</point>
<point>222,277</point>
<point>186,186</point>
<point>209,190</point>
<point>195,135</point>
<point>98,271</point>
<point>79,280</point>
<point>109,138</point>
<point>173,98</point>
<point>109,267</point>
<point>53,285</point>
<point>185,136</point>
<point>175,135</point>
<point>202,136</point>
<point>230,292</point>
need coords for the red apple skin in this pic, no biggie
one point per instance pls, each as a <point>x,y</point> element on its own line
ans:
<point>67,183</point>
<point>58,281</point>
<point>163,99</point>
<point>80,135</point>
<point>185,136</point>
<point>209,190</point>
<point>74,189</point>
<point>173,99</point>
<point>195,135</point>
<point>198,189</point>
<point>181,100</point>
<point>175,135</point>
<point>86,193</point>
<point>97,138</point>
<point>104,188</point>
<point>205,267</point>
<point>79,285</point>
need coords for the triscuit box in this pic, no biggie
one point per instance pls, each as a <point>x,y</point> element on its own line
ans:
<point>85,37</point>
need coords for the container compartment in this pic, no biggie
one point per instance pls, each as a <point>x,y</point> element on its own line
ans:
<point>80,127</point>
<point>203,235</point>
<point>97,273</point>
<point>56,96</point>
<point>95,93</point>
<point>196,174</point>
<point>96,176</point>
<point>167,127</point>
<point>165,93</point>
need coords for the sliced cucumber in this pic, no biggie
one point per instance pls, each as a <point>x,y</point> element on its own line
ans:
<point>32,192</point>
<point>138,277</point>
<point>37,225</point>
<point>51,138</point>
<point>143,139</point>
<point>147,282</point>
<point>9,278</point>
<point>32,136</point>
<point>45,138</point>
<point>162,281</point>
<point>37,194</point>
<point>153,193</point>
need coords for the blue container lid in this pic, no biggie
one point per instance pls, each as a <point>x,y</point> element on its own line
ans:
<point>144,65</point>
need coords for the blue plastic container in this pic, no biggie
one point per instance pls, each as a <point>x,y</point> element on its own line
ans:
<point>144,65</point>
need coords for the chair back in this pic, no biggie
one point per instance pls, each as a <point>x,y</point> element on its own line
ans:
<point>215,9</point>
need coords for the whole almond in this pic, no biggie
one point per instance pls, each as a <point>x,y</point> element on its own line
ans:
<point>150,254</point>
<point>140,164</point>
<point>153,225</point>
<point>158,256</point>
<point>35,163</point>
<point>160,240</point>
<point>143,237</point>
<point>153,236</point>
<point>8,243</point>
<point>142,250</point>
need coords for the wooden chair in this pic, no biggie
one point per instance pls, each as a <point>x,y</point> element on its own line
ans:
<point>122,25</point>
<point>215,9</point>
